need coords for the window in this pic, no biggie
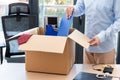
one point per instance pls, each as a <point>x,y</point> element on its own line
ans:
<point>52,8</point>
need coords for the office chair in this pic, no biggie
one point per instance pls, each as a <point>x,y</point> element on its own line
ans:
<point>14,23</point>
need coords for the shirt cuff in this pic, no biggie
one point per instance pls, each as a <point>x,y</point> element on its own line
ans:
<point>101,36</point>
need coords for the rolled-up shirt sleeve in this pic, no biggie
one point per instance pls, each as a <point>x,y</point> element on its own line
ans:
<point>79,8</point>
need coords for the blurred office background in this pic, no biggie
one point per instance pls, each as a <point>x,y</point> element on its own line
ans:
<point>41,8</point>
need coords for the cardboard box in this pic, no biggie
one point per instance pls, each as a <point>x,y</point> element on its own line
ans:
<point>51,54</point>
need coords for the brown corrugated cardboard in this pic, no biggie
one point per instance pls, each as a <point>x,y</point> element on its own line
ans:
<point>51,62</point>
<point>51,54</point>
<point>45,44</point>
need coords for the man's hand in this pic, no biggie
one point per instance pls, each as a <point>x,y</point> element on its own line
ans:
<point>69,11</point>
<point>94,41</point>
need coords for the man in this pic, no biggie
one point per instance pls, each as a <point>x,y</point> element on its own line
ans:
<point>102,21</point>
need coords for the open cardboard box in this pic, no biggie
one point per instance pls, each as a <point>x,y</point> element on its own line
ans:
<point>51,54</point>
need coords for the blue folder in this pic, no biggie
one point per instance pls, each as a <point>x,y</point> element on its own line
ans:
<point>65,24</point>
<point>50,30</point>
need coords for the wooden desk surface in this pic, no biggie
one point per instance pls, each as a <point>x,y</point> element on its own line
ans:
<point>16,71</point>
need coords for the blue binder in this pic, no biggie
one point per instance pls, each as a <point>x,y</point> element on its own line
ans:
<point>63,29</point>
<point>50,30</point>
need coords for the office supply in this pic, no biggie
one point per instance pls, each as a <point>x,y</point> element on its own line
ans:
<point>108,70</point>
<point>24,38</point>
<point>65,24</point>
<point>90,76</point>
<point>81,39</point>
<point>50,30</point>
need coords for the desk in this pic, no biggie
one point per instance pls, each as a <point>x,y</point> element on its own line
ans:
<point>16,71</point>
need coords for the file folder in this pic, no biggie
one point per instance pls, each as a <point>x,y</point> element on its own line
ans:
<point>65,24</point>
<point>50,30</point>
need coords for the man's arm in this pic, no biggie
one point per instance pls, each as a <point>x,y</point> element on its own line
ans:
<point>113,28</point>
<point>78,9</point>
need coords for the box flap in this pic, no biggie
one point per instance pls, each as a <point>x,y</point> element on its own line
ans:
<point>80,38</point>
<point>30,31</point>
<point>54,44</point>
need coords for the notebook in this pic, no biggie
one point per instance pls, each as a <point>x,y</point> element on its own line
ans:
<point>89,76</point>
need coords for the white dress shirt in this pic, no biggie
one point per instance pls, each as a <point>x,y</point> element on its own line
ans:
<point>102,19</point>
